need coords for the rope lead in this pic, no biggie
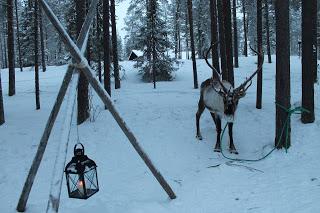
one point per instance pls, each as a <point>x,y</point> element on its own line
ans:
<point>290,111</point>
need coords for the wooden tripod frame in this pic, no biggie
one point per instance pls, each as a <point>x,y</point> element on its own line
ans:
<point>76,52</point>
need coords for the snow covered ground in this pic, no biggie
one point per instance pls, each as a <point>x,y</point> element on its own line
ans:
<point>163,120</point>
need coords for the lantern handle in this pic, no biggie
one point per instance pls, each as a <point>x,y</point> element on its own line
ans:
<point>75,148</point>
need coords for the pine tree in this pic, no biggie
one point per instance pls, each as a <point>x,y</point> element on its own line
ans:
<point>5,52</point>
<point>98,42</point>
<point>245,29</point>
<point>201,18</point>
<point>83,99</point>
<point>224,68</point>
<point>115,57</point>
<point>184,28</point>
<point>148,32</point>
<point>214,39</point>
<point>235,34</point>
<point>177,28</point>
<point>136,22</point>
<point>27,34</point>
<point>161,65</point>
<point>228,39</point>
<point>18,35</point>
<point>259,45</point>
<point>2,119</point>
<point>106,46</point>
<point>36,44</point>
<point>10,43</point>
<point>193,54</point>
<point>309,61</point>
<point>267,27</point>
<point>2,37</point>
<point>42,43</point>
<point>120,48</point>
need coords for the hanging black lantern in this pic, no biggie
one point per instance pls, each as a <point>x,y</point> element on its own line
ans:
<point>81,175</point>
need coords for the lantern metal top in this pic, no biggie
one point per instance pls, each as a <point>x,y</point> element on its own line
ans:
<point>80,163</point>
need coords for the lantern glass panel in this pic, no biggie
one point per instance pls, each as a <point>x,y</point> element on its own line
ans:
<point>76,186</point>
<point>91,182</point>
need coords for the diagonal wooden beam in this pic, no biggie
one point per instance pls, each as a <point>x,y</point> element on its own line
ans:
<point>82,43</point>
<point>81,60</point>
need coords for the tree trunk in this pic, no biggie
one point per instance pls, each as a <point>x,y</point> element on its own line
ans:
<point>1,52</point>
<point>187,38</point>
<point>179,30</point>
<point>193,54</point>
<point>2,120</point>
<point>18,36</point>
<point>214,39</point>
<point>10,43</point>
<point>228,39</point>
<point>314,39</point>
<point>152,13</point>
<point>115,46</point>
<point>149,50</point>
<point>83,97</point>
<point>245,29</point>
<point>224,68</point>
<point>106,47</point>
<point>259,45</point>
<point>5,51</point>
<point>176,30</point>
<point>43,53</point>
<point>4,46</point>
<point>36,44</point>
<point>235,34</point>
<point>266,13</point>
<point>282,73</point>
<point>88,51</point>
<point>98,41</point>
<point>309,62</point>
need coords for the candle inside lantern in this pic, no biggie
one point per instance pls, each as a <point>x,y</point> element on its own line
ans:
<point>80,186</point>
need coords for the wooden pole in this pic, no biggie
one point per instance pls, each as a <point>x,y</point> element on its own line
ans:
<point>57,175</point>
<point>81,60</point>
<point>53,115</point>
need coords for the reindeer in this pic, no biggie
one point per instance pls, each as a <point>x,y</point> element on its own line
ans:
<point>221,99</point>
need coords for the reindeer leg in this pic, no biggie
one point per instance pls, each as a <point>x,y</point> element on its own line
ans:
<point>201,108</point>
<point>217,121</point>
<point>232,148</point>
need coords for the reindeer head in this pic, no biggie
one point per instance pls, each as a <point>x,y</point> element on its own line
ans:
<point>230,95</point>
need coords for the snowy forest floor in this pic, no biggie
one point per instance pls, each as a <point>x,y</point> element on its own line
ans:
<point>163,120</point>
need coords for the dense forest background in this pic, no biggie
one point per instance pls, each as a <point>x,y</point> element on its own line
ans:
<point>174,27</point>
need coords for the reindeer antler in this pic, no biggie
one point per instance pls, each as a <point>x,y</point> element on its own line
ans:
<point>242,87</point>
<point>225,90</point>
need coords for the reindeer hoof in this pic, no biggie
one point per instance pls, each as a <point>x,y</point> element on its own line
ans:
<point>217,149</point>
<point>199,137</point>
<point>233,151</point>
